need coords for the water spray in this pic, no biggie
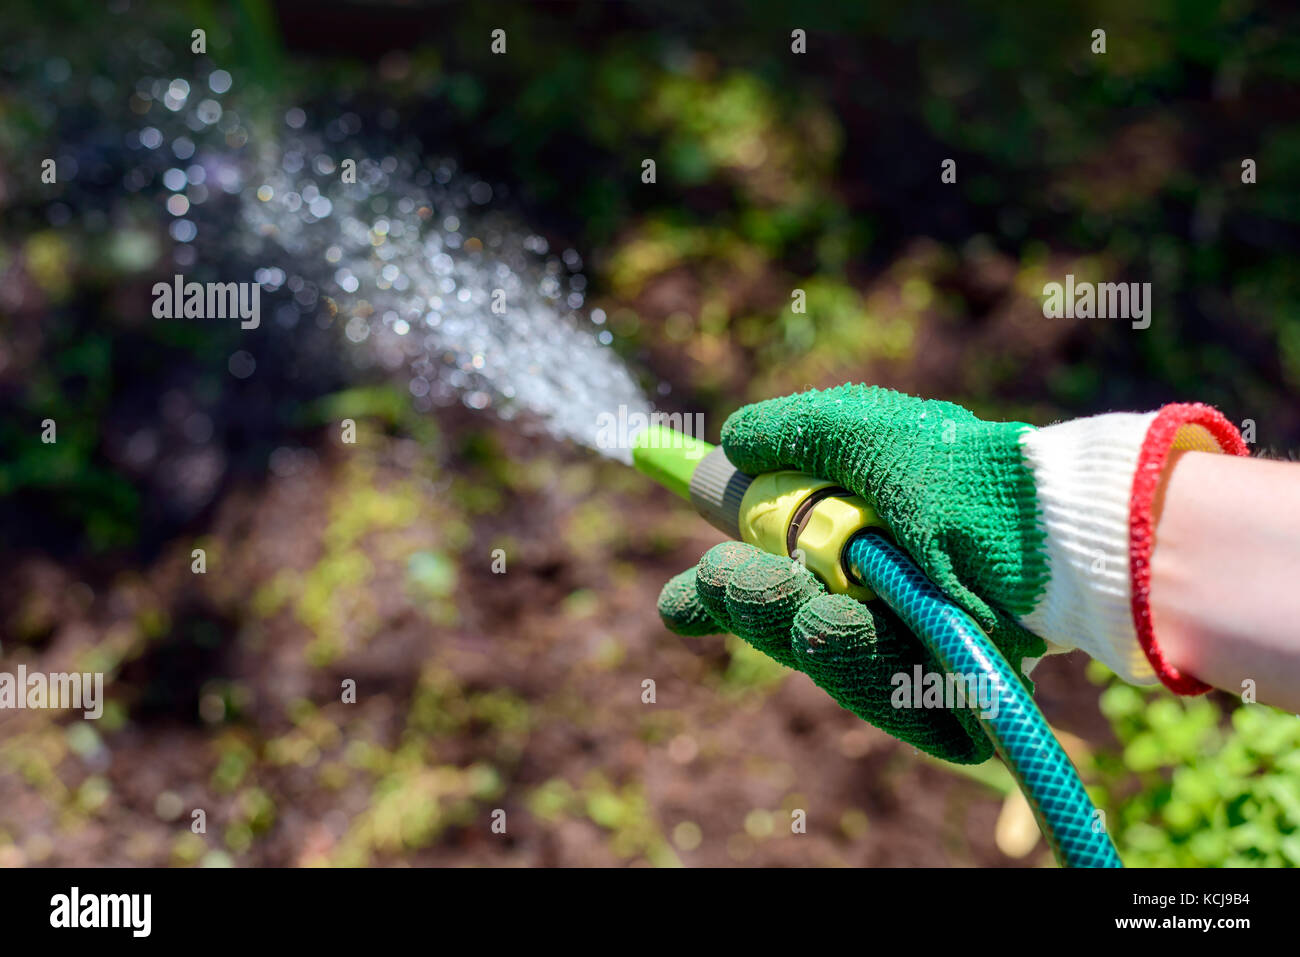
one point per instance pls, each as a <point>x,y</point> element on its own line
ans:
<point>839,538</point>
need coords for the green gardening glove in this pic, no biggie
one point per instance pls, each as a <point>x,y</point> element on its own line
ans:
<point>954,490</point>
<point>1033,531</point>
<point>951,488</point>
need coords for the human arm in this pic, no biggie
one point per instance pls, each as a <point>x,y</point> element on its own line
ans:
<point>1225,573</point>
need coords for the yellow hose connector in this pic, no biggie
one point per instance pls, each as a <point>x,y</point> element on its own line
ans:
<point>775,501</point>
<point>769,507</point>
<point>828,528</point>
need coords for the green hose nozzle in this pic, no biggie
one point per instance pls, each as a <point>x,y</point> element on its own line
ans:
<point>668,457</point>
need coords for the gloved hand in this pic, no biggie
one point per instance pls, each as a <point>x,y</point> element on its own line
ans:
<point>1035,532</point>
<point>849,649</point>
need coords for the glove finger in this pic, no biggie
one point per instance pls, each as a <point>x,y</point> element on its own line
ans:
<point>755,435</point>
<point>762,598</point>
<point>681,609</point>
<point>714,573</point>
<point>855,653</point>
<point>829,433</point>
<point>836,433</point>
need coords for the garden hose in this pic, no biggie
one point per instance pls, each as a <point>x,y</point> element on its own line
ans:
<point>839,537</point>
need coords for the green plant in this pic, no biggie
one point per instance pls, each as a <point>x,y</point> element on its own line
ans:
<point>1198,785</point>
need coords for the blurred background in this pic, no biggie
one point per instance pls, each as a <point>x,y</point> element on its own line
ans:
<point>373,562</point>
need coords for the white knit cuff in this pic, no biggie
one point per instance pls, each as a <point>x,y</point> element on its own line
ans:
<point>1083,472</point>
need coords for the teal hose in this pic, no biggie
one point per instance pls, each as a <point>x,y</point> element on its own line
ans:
<point>1016,727</point>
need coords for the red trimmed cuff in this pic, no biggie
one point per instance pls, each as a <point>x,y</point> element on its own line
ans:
<point>1151,465</point>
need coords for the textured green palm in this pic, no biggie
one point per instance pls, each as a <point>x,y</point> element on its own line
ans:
<point>953,489</point>
<point>849,649</point>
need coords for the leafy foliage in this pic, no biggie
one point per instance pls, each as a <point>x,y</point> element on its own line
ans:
<point>1217,781</point>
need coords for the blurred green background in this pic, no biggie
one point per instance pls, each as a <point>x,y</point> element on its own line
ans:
<point>522,692</point>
